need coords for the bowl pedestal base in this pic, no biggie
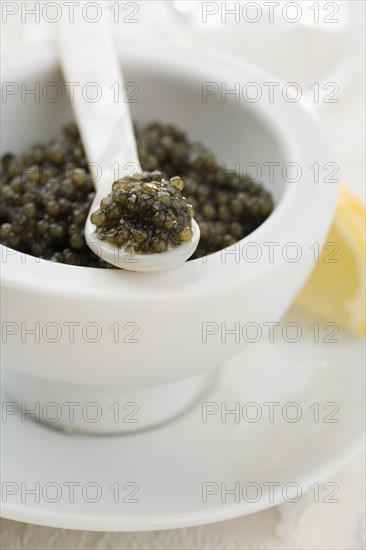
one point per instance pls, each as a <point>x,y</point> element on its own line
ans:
<point>96,409</point>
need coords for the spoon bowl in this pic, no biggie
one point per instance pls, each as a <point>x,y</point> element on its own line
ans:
<point>141,262</point>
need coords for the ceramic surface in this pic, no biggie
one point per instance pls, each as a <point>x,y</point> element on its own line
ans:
<point>117,329</point>
<point>210,464</point>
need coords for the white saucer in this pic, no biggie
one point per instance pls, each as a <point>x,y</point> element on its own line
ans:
<point>170,464</point>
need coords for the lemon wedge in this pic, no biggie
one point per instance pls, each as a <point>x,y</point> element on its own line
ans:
<point>335,290</point>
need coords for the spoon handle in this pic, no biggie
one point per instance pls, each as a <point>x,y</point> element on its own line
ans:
<point>91,68</point>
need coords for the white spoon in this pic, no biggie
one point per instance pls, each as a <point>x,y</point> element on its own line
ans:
<point>89,59</point>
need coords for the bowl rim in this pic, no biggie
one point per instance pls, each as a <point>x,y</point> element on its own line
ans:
<point>299,207</point>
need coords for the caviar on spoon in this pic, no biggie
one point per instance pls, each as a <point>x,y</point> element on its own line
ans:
<point>143,222</point>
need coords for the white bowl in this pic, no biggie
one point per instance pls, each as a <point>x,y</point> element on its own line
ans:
<point>164,353</point>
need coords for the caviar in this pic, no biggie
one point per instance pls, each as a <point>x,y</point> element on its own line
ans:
<point>145,213</point>
<point>47,192</point>
<point>227,206</point>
